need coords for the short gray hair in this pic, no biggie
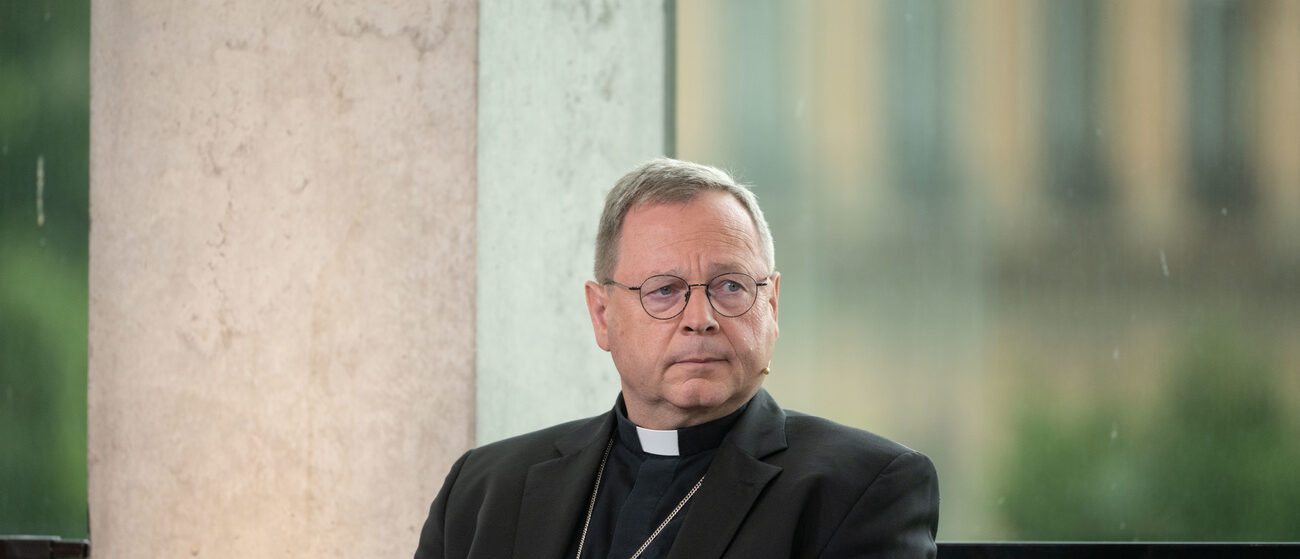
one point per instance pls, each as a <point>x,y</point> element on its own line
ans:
<point>668,181</point>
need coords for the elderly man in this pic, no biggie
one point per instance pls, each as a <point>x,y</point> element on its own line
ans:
<point>695,460</point>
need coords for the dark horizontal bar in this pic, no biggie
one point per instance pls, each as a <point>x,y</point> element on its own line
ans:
<point>42,547</point>
<point>30,547</point>
<point>1118,550</point>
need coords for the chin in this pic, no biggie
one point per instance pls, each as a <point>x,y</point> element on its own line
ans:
<point>700,393</point>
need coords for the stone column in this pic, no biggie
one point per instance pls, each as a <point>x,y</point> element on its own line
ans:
<point>571,96</point>
<point>282,273</point>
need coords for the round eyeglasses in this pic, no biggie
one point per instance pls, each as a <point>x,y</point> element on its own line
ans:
<point>665,296</point>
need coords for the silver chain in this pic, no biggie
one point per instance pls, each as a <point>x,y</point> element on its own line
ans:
<point>591,507</point>
<point>670,517</point>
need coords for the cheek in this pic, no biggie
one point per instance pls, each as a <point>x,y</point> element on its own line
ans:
<point>639,343</point>
<point>754,340</point>
<point>624,325</point>
<point>765,334</point>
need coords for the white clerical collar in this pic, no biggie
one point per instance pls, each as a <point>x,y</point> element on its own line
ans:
<point>662,443</point>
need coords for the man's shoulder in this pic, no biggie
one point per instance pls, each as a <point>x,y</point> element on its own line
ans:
<point>816,438</point>
<point>526,449</point>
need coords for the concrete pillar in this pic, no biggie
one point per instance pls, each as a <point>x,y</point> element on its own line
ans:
<point>282,273</point>
<point>571,96</point>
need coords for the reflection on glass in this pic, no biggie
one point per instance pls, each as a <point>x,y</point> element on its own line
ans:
<point>1073,234</point>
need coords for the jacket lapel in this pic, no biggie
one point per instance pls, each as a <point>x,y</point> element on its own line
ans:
<point>556,492</point>
<point>734,481</point>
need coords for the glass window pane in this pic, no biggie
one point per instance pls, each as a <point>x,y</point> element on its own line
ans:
<point>1055,245</point>
<point>44,131</point>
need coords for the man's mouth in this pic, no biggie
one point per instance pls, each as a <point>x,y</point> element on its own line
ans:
<point>699,360</point>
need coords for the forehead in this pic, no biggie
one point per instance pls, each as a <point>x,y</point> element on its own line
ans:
<point>712,233</point>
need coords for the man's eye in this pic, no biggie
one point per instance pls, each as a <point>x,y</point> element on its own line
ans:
<point>665,291</point>
<point>730,286</point>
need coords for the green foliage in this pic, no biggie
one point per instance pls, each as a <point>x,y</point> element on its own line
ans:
<point>42,397</point>
<point>44,224</point>
<point>1223,460</point>
<point>1213,459</point>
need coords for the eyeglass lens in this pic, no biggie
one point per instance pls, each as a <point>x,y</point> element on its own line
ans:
<point>730,294</point>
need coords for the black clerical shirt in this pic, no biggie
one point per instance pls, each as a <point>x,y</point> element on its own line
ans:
<point>639,489</point>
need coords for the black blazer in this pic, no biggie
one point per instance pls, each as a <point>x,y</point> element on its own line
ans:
<point>783,484</point>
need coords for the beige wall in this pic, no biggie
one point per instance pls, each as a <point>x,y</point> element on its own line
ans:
<point>282,273</point>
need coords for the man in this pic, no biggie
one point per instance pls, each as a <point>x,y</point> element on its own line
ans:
<point>695,460</point>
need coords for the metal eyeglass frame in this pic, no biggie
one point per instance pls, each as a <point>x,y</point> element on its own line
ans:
<point>689,285</point>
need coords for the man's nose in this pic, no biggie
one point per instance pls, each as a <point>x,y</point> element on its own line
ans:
<point>698,316</point>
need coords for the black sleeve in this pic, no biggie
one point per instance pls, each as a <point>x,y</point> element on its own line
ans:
<point>432,537</point>
<point>896,516</point>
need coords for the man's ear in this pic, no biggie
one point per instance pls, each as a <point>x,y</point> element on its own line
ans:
<point>775,284</point>
<point>597,306</point>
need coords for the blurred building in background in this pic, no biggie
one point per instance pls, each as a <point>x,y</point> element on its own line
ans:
<point>1055,245</point>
